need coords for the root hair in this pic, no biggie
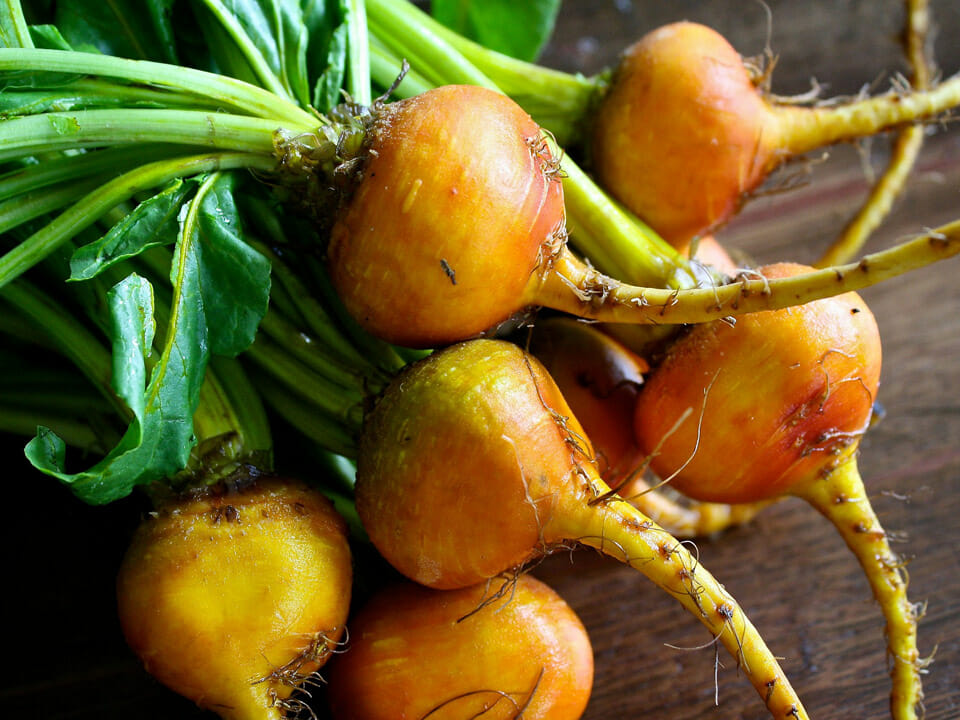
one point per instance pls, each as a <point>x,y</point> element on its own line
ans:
<point>499,695</point>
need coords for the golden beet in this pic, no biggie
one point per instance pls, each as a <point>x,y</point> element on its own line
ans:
<point>777,405</point>
<point>686,132</point>
<point>416,652</point>
<point>681,135</point>
<point>233,599</point>
<point>439,240</point>
<point>770,401</point>
<point>471,463</point>
<point>600,378</point>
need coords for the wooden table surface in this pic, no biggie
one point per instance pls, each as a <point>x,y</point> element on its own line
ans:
<point>63,655</point>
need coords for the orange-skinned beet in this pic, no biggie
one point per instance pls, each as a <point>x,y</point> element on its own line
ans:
<point>477,407</point>
<point>785,395</point>
<point>233,599</point>
<point>682,99</point>
<point>600,379</point>
<point>441,236</point>
<point>471,464</point>
<point>416,652</point>
<point>683,133</point>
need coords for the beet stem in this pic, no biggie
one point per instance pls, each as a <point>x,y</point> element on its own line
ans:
<point>842,499</point>
<point>619,530</point>
<point>802,129</point>
<point>572,286</point>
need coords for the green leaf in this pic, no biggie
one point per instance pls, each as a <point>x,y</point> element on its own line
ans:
<point>157,442</point>
<point>65,97</point>
<point>326,23</point>
<point>161,18</point>
<point>518,28</point>
<point>48,37</point>
<point>272,36</point>
<point>321,18</point>
<point>326,90</point>
<point>13,26</point>
<point>204,274</point>
<point>214,50</point>
<point>295,48</point>
<point>118,27</point>
<point>234,278</point>
<point>153,222</point>
<point>133,331</point>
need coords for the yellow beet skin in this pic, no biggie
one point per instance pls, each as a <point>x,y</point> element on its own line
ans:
<point>682,99</point>
<point>233,599</point>
<point>439,240</point>
<point>471,463</point>
<point>746,412</point>
<point>418,653</point>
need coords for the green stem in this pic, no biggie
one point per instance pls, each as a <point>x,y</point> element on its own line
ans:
<point>407,35</point>
<point>71,167</point>
<point>370,355</point>
<point>557,100</point>
<point>60,391</point>
<point>77,343</point>
<point>386,357</point>
<point>219,423</point>
<point>89,209</point>
<point>21,329</point>
<point>337,402</point>
<point>47,132</point>
<point>75,432</point>
<point>310,352</point>
<point>244,400</point>
<point>318,322</point>
<point>16,33</point>
<point>89,93</point>
<point>385,64</point>
<point>358,54</point>
<point>19,210</point>
<point>329,433</point>
<point>617,242</point>
<point>258,63</point>
<point>243,97</point>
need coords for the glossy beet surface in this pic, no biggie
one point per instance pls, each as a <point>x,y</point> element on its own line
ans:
<point>451,654</point>
<point>682,132</point>
<point>770,401</point>
<point>441,236</point>
<point>233,599</point>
